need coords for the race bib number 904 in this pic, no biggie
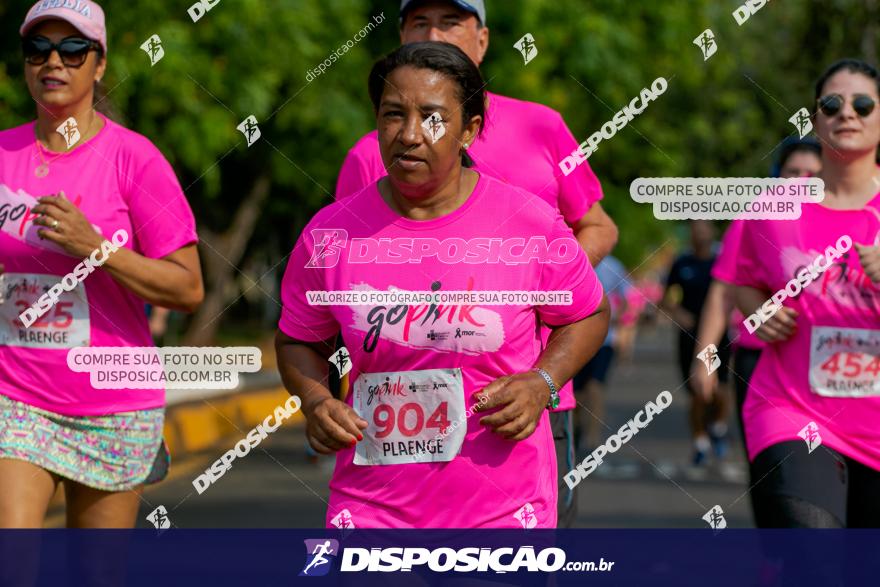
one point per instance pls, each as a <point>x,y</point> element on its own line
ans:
<point>844,362</point>
<point>65,325</point>
<point>410,416</point>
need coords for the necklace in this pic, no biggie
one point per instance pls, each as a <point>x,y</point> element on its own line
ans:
<point>42,169</point>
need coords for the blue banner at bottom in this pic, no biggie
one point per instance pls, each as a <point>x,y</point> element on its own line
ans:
<point>365,558</point>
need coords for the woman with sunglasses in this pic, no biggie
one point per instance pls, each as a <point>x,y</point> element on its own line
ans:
<point>70,181</point>
<point>812,413</point>
<point>447,422</point>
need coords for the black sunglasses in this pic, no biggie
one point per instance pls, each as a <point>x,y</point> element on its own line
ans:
<point>832,104</point>
<point>72,50</point>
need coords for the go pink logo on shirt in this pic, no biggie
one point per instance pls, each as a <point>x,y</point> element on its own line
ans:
<point>840,277</point>
<point>330,243</point>
<point>17,218</point>
<point>466,329</point>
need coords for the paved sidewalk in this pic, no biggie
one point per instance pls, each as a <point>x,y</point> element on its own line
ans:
<point>649,482</point>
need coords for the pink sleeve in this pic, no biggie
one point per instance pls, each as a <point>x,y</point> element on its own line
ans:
<point>300,320</point>
<point>361,168</point>
<point>579,190</point>
<point>160,214</point>
<point>576,276</point>
<point>750,270</point>
<point>724,268</point>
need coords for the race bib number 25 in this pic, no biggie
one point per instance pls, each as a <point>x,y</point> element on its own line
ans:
<point>410,416</point>
<point>65,325</point>
<point>845,362</point>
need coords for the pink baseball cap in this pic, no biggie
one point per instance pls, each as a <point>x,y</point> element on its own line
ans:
<point>84,15</point>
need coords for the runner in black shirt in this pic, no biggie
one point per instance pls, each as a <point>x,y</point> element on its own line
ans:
<point>691,274</point>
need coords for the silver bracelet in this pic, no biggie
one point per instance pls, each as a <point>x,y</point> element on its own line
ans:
<point>553,403</point>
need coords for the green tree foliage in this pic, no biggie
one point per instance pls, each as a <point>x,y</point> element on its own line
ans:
<point>719,117</point>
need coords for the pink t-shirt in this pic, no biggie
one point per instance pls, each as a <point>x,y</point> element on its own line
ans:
<point>491,479</point>
<point>119,180</point>
<point>800,381</point>
<point>724,270</point>
<point>521,144</point>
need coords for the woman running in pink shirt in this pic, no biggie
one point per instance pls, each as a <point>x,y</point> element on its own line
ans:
<point>812,412</point>
<point>69,182</point>
<point>447,423</point>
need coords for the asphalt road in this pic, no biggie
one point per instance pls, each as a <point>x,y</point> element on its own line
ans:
<point>646,484</point>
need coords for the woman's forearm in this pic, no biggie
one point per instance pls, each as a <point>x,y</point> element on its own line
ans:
<point>716,311</point>
<point>596,233</point>
<point>571,346</point>
<point>304,369</point>
<point>174,281</point>
<point>749,299</point>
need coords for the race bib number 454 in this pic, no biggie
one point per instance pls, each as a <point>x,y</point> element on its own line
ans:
<point>844,362</point>
<point>65,325</point>
<point>410,415</point>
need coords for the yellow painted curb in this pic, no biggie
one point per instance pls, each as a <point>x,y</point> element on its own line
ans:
<point>199,425</point>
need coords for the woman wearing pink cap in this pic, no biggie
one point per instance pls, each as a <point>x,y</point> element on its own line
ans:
<point>69,183</point>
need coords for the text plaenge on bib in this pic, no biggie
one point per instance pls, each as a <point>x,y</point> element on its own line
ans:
<point>844,362</point>
<point>411,424</point>
<point>826,372</point>
<point>65,326</point>
<point>138,194</point>
<point>410,415</point>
